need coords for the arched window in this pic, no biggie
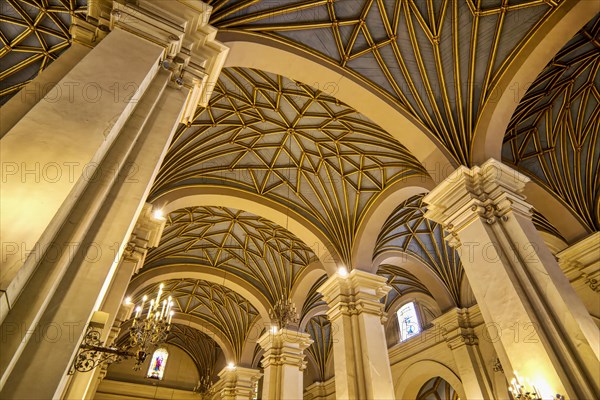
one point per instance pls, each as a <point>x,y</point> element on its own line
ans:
<point>158,364</point>
<point>408,321</point>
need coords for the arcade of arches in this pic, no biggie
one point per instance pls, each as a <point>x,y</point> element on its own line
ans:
<point>421,179</point>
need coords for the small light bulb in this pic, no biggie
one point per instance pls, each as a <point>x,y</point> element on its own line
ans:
<point>162,285</point>
<point>231,365</point>
<point>273,329</point>
<point>158,214</point>
<point>127,300</point>
<point>343,272</point>
<point>145,298</point>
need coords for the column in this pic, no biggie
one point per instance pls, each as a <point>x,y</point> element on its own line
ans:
<point>236,383</point>
<point>581,264</point>
<point>283,363</point>
<point>82,223</point>
<point>146,235</point>
<point>459,332</point>
<point>543,330</point>
<point>362,366</point>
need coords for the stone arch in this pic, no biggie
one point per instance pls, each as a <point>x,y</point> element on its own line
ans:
<point>560,216</point>
<point>200,325</point>
<point>251,342</point>
<point>219,196</point>
<point>267,54</point>
<point>378,213</point>
<point>433,283</point>
<point>203,272</point>
<point>547,40</point>
<point>305,281</point>
<point>313,312</point>
<point>411,381</point>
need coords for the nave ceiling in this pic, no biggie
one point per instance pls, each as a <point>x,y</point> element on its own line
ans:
<point>439,62</point>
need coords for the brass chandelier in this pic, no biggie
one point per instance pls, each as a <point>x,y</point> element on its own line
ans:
<point>149,328</point>
<point>283,313</point>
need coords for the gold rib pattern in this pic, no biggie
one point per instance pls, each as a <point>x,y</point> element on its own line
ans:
<point>408,231</point>
<point>553,134</point>
<point>438,60</point>
<point>262,253</point>
<point>402,283</point>
<point>290,143</point>
<point>33,33</point>
<point>201,347</point>
<point>223,309</point>
<point>321,350</point>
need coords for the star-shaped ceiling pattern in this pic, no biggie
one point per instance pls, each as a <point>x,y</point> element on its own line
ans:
<point>553,134</point>
<point>220,307</point>
<point>402,283</point>
<point>321,350</point>
<point>202,348</point>
<point>439,60</point>
<point>409,231</point>
<point>33,33</point>
<point>262,253</point>
<point>290,143</point>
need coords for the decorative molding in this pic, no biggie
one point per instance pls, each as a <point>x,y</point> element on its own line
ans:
<point>581,262</point>
<point>146,234</point>
<point>284,347</point>
<point>486,192</point>
<point>235,383</point>
<point>358,292</point>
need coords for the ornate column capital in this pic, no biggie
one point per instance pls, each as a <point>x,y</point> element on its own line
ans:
<point>457,328</point>
<point>485,192</point>
<point>181,27</point>
<point>356,293</point>
<point>284,347</point>
<point>581,262</point>
<point>146,235</point>
<point>235,383</point>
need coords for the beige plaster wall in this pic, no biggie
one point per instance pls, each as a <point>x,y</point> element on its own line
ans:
<point>180,372</point>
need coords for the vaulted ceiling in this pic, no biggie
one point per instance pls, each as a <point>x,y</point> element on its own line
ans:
<point>32,34</point>
<point>265,255</point>
<point>290,143</point>
<point>554,133</point>
<point>439,60</point>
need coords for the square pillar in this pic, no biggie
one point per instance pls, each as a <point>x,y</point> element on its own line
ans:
<point>543,330</point>
<point>283,363</point>
<point>362,365</point>
<point>236,383</point>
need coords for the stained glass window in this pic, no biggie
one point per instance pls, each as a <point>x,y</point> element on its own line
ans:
<point>158,363</point>
<point>408,321</point>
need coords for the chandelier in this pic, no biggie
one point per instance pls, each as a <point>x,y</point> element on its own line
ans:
<point>204,387</point>
<point>149,328</point>
<point>283,313</point>
<point>522,389</point>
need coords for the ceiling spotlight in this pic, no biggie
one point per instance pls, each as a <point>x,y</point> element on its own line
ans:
<point>158,214</point>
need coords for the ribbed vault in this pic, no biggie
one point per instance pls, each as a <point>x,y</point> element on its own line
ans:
<point>553,134</point>
<point>263,254</point>
<point>439,60</point>
<point>220,307</point>
<point>290,143</point>
<point>202,348</point>
<point>313,297</point>
<point>321,350</point>
<point>33,33</point>
<point>402,283</point>
<point>409,231</point>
